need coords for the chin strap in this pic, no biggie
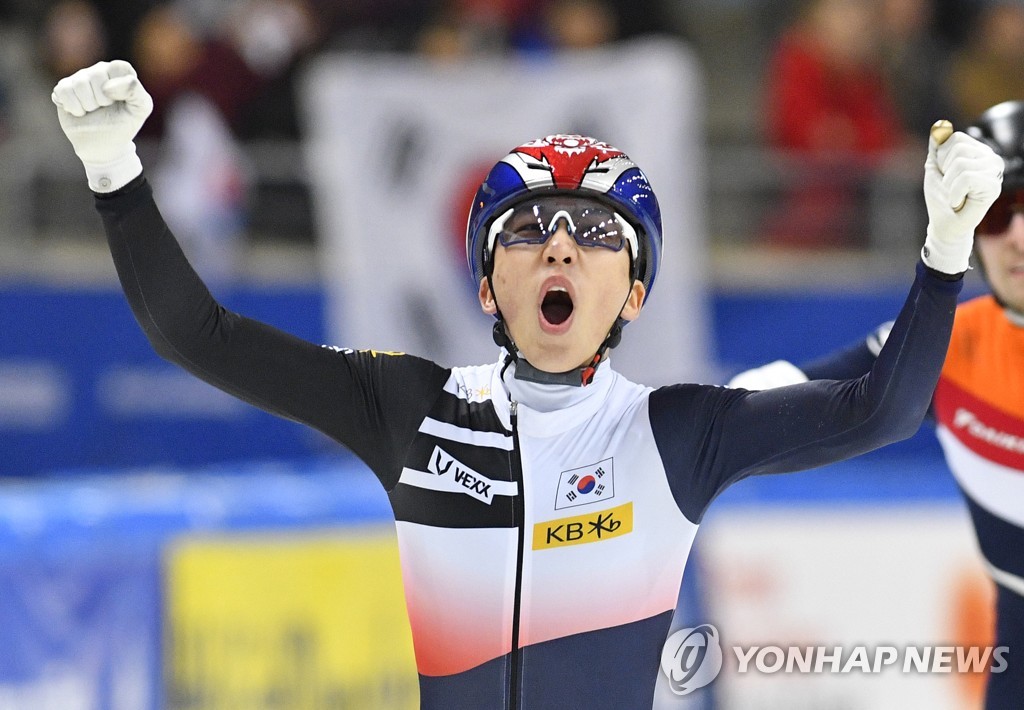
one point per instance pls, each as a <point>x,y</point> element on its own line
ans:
<point>613,338</point>
<point>577,377</point>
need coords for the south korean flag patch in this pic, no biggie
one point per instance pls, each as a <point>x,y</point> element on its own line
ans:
<point>586,484</point>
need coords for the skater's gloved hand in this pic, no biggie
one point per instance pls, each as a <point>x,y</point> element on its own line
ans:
<point>962,178</point>
<point>101,109</point>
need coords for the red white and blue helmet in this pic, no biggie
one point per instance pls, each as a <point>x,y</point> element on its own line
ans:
<point>568,164</point>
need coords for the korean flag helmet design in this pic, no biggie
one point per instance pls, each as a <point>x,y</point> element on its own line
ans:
<point>573,165</point>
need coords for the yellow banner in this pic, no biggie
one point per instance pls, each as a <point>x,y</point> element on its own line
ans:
<point>581,529</point>
<point>289,622</point>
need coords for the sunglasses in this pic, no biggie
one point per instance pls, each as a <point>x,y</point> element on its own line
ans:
<point>589,223</point>
<point>997,220</point>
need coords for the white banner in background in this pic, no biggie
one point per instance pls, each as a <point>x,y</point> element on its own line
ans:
<point>397,147</point>
<point>905,581</point>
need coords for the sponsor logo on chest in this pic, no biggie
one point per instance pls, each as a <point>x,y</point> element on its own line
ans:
<point>581,529</point>
<point>967,420</point>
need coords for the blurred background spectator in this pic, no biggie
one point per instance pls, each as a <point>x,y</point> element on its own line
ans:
<point>218,74</point>
<point>828,106</point>
<point>38,49</point>
<point>580,24</point>
<point>989,68</point>
<point>461,28</point>
<point>240,61</point>
<point>73,36</point>
<point>914,60</point>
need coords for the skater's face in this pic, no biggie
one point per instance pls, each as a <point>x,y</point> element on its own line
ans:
<point>559,298</point>
<point>1000,246</point>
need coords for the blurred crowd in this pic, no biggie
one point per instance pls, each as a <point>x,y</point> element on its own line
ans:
<point>242,55</point>
<point>224,72</point>
<point>851,83</point>
<point>844,85</point>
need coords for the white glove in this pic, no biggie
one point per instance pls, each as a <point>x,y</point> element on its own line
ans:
<point>961,171</point>
<point>775,374</point>
<point>101,109</point>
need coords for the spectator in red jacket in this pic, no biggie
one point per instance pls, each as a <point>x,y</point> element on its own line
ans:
<point>828,108</point>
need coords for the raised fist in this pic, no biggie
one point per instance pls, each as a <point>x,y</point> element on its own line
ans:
<point>101,109</point>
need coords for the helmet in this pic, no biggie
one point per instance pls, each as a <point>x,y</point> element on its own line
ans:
<point>1001,127</point>
<point>575,165</point>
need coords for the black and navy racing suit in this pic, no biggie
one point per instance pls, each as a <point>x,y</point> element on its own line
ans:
<point>543,529</point>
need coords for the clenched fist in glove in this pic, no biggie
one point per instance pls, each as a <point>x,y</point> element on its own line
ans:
<point>962,178</point>
<point>101,109</point>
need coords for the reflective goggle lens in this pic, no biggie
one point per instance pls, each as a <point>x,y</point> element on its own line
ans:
<point>1000,214</point>
<point>590,223</point>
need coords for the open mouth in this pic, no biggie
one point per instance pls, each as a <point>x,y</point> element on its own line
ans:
<point>556,306</point>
